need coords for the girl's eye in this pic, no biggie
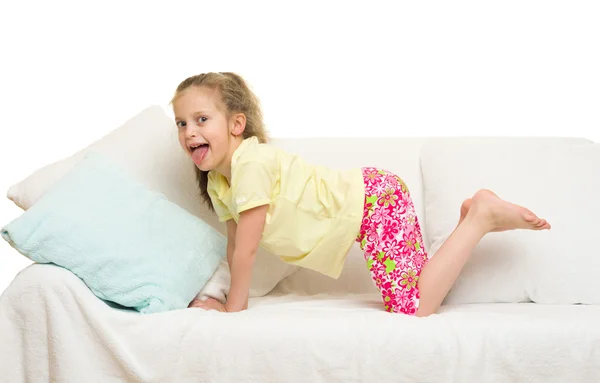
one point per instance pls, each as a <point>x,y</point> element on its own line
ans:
<point>180,124</point>
<point>202,119</point>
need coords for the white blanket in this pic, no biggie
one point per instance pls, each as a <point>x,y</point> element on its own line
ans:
<point>53,329</point>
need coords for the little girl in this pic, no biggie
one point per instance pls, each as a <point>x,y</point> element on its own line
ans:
<point>310,215</point>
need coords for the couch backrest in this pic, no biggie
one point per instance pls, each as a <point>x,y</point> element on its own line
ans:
<point>399,155</point>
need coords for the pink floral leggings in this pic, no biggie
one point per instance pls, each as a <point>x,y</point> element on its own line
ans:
<point>391,238</point>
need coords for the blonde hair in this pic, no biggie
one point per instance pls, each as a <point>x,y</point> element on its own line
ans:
<point>237,97</point>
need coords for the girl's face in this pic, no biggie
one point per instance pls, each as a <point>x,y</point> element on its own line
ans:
<point>205,132</point>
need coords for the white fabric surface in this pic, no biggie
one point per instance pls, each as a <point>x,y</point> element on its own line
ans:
<point>58,331</point>
<point>147,146</point>
<point>557,181</point>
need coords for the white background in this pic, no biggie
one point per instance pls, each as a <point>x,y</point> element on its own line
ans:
<point>71,72</point>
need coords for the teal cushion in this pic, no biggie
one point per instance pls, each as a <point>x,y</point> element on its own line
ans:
<point>130,245</point>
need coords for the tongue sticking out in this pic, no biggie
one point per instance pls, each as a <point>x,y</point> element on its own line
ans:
<point>199,154</point>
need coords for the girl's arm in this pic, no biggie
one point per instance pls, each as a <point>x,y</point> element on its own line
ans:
<point>231,230</point>
<point>247,238</point>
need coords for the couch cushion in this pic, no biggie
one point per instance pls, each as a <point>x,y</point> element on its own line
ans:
<point>130,245</point>
<point>556,181</point>
<point>287,339</point>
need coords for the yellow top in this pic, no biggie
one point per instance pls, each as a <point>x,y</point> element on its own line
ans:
<point>314,213</point>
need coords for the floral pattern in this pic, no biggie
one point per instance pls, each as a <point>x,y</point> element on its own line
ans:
<point>390,236</point>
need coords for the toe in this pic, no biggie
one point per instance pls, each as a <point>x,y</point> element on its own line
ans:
<point>543,225</point>
<point>530,217</point>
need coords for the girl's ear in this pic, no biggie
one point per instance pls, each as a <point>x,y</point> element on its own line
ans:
<point>239,124</point>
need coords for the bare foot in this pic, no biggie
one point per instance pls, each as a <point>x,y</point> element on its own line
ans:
<point>502,215</point>
<point>466,205</point>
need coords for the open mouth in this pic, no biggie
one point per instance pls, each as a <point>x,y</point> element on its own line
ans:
<point>198,152</point>
<point>198,146</point>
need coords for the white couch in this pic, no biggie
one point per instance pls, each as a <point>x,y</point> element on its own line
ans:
<point>311,328</point>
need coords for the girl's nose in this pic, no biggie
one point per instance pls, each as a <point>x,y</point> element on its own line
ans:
<point>190,131</point>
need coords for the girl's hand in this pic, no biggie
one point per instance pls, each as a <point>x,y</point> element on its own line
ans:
<point>209,304</point>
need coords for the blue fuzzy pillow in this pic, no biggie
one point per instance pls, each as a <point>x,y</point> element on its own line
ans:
<point>130,245</point>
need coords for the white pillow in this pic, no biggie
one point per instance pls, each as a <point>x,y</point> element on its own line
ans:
<point>559,182</point>
<point>147,146</point>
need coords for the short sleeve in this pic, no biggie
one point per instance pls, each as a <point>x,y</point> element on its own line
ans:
<point>220,207</point>
<point>253,185</point>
